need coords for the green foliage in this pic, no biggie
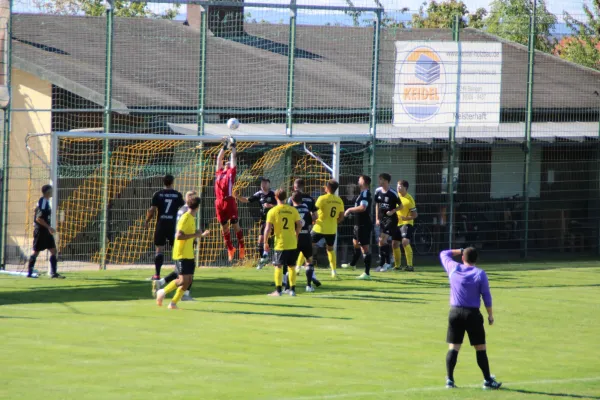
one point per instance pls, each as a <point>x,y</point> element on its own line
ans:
<point>97,8</point>
<point>584,46</point>
<point>510,19</point>
<point>440,15</point>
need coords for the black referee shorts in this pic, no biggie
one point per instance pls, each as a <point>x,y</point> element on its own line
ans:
<point>362,234</point>
<point>461,319</point>
<point>43,240</point>
<point>164,232</point>
<point>185,266</point>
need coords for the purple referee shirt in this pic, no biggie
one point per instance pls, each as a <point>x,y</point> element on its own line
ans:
<point>467,284</point>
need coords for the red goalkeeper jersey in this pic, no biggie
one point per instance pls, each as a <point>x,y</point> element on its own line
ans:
<point>224,181</point>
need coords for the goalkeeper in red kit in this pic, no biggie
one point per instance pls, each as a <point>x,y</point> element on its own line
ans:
<point>225,204</point>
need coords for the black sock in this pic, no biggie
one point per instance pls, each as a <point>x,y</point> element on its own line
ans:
<point>189,287</point>
<point>484,365</point>
<point>53,264</point>
<point>355,256</point>
<point>278,289</point>
<point>388,253</point>
<point>171,277</point>
<point>381,255</point>
<point>309,274</point>
<point>451,359</point>
<point>367,257</point>
<point>261,249</point>
<point>31,264</point>
<point>158,263</point>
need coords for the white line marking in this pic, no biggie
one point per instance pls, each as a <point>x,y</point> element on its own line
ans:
<point>439,388</point>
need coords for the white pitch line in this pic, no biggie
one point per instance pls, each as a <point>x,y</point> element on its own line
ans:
<point>438,388</point>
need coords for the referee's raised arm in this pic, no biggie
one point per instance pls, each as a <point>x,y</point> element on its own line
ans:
<point>468,285</point>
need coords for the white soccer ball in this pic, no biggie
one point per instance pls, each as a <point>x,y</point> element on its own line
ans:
<point>233,124</point>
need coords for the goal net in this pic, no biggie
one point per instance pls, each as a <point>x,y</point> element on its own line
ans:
<point>134,168</point>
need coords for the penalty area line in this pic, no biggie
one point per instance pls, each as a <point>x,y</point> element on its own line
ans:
<point>439,388</point>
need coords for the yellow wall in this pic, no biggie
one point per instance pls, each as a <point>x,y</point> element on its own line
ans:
<point>28,92</point>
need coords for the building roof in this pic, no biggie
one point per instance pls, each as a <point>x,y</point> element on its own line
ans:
<point>156,63</point>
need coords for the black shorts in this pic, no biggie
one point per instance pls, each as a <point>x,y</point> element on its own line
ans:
<point>362,234</point>
<point>404,232</point>
<point>185,267</point>
<point>305,245</point>
<point>329,238</point>
<point>389,226</point>
<point>164,232</point>
<point>285,257</point>
<point>461,319</point>
<point>43,240</point>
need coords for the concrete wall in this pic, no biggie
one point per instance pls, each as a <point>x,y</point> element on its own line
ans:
<point>28,92</point>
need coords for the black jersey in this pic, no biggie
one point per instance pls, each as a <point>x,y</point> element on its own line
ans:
<point>305,217</point>
<point>263,198</point>
<point>307,200</point>
<point>168,202</point>
<point>385,202</point>
<point>364,198</point>
<point>42,211</point>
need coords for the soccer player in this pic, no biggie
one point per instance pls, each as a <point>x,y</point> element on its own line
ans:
<point>266,198</point>
<point>304,240</point>
<point>330,212</point>
<point>225,205</point>
<point>183,254</point>
<point>286,223</point>
<point>43,234</point>
<point>388,203</point>
<point>467,285</point>
<point>165,204</point>
<point>363,227</point>
<point>158,283</point>
<point>404,233</point>
<point>309,202</point>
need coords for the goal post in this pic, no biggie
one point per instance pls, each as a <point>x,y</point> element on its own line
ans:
<point>138,161</point>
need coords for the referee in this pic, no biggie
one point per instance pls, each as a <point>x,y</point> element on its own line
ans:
<point>467,284</point>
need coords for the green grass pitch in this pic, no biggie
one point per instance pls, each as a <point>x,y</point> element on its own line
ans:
<point>99,335</point>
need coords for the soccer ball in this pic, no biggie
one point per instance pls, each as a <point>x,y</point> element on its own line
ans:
<point>233,124</point>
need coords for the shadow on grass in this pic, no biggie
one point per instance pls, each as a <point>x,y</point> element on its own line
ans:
<point>537,392</point>
<point>287,315</point>
<point>250,303</point>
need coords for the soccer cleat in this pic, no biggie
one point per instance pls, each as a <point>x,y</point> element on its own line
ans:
<point>298,269</point>
<point>172,306</point>
<point>364,277</point>
<point>385,268</point>
<point>155,287</point>
<point>57,276</point>
<point>230,254</point>
<point>347,266</point>
<point>410,268</point>
<point>310,289</point>
<point>333,274</point>
<point>262,262</point>
<point>450,384</point>
<point>155,278</point>
<point>491,384</point>
<point>187,297</point>
<point>292,293</point>
<point>160,296</point>
<point>274,294</point>
<point>397,268</point>
<point>241,253</point>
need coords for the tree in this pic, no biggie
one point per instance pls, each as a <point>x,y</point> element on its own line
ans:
<point>584,46</point>
<point>440,15</point>
<point>96,8</point>
<point>509,19</point>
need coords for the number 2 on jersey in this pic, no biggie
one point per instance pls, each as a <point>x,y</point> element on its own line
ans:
<point>285,223</point>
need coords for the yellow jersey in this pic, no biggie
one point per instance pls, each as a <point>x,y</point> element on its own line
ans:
<point>329,208</point>
<point>408,206</point>
<point>184,249</point>
<point>283,217</point>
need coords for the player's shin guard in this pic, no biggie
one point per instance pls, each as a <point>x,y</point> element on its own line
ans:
<point>332,259</point>
<point>397,257</point>
<point>240,238</point>
<point>278,275</point>
<point>309,274</point>
<point>292,278</point>
<point>170,287</point>
<point>31,264</point>
<point>159,259</point>
<point>408,251</point>
<point>53,263</point>
<point>227,238</point>
<point>355,256</point>
<point>367,257</point>
<point>178,295</point>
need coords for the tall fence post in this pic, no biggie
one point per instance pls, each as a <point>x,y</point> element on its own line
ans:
<point>107,129</point>
<point>528,121</point>
<point>452,138</point>
<point>6,140</point>
<point>374,87</point>
<point>291,62</point>
<point>201,116</point>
